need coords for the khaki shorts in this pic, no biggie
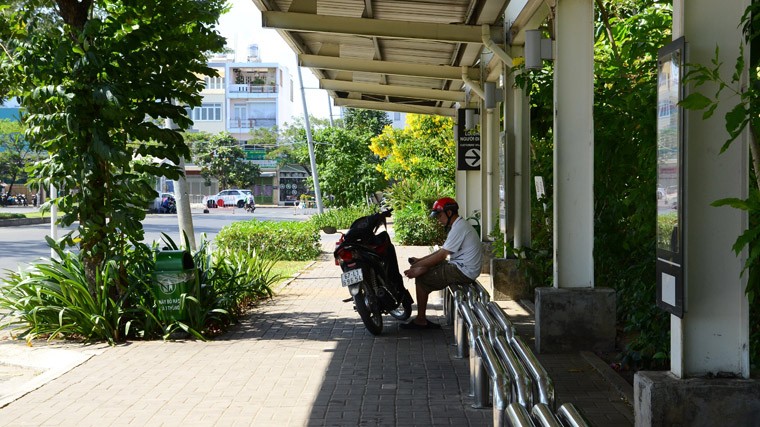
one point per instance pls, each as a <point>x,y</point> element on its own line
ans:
<point>440,276</point>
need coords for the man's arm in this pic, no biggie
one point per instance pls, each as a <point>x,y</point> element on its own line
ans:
<point>422,265</point>
<point>431,259</point>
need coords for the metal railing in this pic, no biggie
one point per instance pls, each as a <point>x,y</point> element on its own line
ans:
<point>504,372</point>
<point>251,123</point>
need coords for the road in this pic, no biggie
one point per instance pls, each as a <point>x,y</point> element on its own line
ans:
<point>23,244</point>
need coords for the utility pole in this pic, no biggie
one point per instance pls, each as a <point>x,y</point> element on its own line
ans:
<point>314,175</point>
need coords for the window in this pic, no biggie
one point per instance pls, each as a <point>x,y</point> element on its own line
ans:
<point>214,82</point>
<point>207,113</point>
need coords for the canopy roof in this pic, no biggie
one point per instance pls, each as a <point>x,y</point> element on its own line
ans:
<point>399,55</point>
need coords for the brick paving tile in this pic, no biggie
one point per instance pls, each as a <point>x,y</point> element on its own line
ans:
<point>301,359</point>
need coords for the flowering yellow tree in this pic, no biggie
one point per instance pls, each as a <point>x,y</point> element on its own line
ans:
<point>424,149</point>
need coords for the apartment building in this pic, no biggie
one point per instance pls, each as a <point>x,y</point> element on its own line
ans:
<point>244,97</point>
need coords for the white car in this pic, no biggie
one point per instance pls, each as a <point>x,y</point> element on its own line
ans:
<point>223,198</point>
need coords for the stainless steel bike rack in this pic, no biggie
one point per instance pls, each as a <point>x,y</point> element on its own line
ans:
<point>478,380</point>
<point>521,382</point>
<point>570,416</point>
<point>499,381</point>
<point>482,294</point>
<point>503,368</point>
<point>501,318</point>
<point>519,416</point>
<point>544,416</point>
<point>460,326</point>
<point>544,385</point>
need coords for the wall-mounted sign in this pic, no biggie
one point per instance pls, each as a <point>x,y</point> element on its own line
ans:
<point>468,145</point>
<point>670,171</point>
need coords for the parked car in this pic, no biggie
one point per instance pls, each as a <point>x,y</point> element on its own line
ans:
<point>232,197</point>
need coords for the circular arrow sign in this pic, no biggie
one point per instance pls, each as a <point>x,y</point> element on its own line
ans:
<point>472,157</point>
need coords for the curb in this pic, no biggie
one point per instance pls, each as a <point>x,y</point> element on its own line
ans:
<point>11,222</point>
<point>625,389</point>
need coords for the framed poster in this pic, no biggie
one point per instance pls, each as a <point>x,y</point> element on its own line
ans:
<point>670,172</point>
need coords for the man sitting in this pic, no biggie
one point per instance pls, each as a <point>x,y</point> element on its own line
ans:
<point>434,272</point>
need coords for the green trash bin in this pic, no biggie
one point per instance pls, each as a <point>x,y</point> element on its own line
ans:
<point>175,275</point>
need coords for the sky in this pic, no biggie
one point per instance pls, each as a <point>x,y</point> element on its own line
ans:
<point>242,27</point>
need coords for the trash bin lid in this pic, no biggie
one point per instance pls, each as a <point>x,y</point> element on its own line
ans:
<point>174,261</point>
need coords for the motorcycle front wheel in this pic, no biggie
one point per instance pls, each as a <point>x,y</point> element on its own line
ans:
<point>404,310</point>
<point>369,310</point>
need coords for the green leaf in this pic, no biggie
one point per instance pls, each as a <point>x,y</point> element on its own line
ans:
<point>695,101</point>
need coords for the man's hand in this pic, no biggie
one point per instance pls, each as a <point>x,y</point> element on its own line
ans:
<point>412,260</point>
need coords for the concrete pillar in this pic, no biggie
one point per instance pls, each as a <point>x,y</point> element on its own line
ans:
<point>715,329</point>
<point>517,165</point>
<point>573,315</point>
<point>574,144</point>
<point>711,341</point>
<point>490,166</point>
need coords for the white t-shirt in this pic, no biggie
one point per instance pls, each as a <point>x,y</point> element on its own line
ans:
<point>466,251</point>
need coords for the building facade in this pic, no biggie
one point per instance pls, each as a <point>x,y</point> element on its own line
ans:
<point>244,97</point>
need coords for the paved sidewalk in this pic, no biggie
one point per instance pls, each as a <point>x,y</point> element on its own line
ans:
<point>302,359</point>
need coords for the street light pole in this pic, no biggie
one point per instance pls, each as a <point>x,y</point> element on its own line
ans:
<point>312,158</point>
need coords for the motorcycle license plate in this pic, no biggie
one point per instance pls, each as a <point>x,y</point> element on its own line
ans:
<point>351,277</point>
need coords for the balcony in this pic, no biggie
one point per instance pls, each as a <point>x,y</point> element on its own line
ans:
<point>250,90</point>
<point>246,124</point>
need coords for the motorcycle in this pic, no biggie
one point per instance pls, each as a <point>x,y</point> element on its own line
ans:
<point>250,207</point>
<point>169,205</point>
<point>370,272</point>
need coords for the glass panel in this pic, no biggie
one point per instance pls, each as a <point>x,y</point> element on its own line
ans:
<point>668,151</point>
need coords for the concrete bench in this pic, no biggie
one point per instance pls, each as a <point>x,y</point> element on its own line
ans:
<point>504,373</point>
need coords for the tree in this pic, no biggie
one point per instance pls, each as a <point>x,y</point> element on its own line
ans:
<point>369,121</point>
<point>88,74</point>
<point>264,136</point>
<point>292,147</point>
<point>15,153</point>
<point>347,168</point>
<point>221,157</point>
<point>423,149</point>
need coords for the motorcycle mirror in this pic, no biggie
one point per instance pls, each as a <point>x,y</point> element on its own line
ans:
<point>329,229</point>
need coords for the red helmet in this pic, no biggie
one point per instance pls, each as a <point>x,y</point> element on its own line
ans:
<point>442,205</point>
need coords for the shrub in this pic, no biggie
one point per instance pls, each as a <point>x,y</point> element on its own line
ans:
<point>412,191</point>
<point>413,227</point>
<point>53,299</point>
<point>4,215</point>
<point>294,241</point>
<point>340,218</point>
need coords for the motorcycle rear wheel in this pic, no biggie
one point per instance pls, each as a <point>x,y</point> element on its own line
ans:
<point>369,310</point>
<point>404,310</point>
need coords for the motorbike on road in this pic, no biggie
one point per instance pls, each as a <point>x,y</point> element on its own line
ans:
<point>370,272</point>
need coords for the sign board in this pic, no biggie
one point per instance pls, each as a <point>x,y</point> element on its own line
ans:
<point>468,145</point>
<point>670,172</point>
<point>255,154</point>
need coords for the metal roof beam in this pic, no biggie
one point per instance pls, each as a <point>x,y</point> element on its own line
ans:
<point>385,67</point>
<point>523,15</point>
<point>390,106</point>
<point>307,22</point>
<point>389,90</point>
